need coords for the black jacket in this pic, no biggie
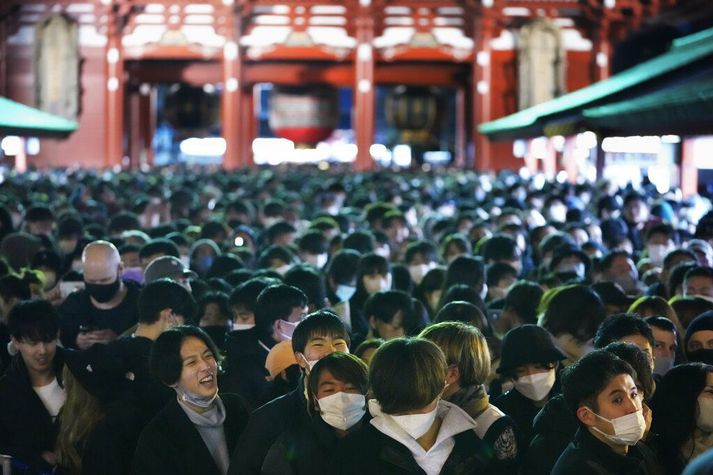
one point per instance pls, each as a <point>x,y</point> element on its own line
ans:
<point>26,428</point>
<point>554,429</point>
<point>307,448</point>
<point>523,411</point>
<point>172,445</point>
<point>370,452</point>
<point>245,372</point>
<point>264,427</point>
<point>587,455</point>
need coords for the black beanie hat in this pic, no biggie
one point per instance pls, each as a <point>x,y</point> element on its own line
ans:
<point>527,344</point>
<point>702,322</point>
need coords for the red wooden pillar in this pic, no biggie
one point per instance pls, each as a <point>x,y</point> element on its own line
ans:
<point>364,88</point>
<point>248,126</point>
<point>689,172</point>
<point>601,69</point>
<point>461,126</point>
<point>482,80</point>
<point>231,98</point>
<point>133,127</point>
<point>147,120</point>
<point>114,92</point>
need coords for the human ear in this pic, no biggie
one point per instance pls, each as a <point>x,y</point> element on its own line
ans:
<point>585,416</point>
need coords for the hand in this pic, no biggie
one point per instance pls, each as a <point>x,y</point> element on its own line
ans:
<point>87,339</point>
<point>49,457</point>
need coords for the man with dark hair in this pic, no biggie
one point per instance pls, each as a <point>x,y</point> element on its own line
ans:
<point>519,307</point>
<point>502,248</point>
<point>317,336</point>
<point>157,248</point>
<point>698,281</point>
<point>628,329</point>
<point>309,281</point>
<point>312,248</point>
<point>30,394</point>
<point>600,389</point>
<point>106,307</point>
<point>618,267</point>
<point>278,310</point>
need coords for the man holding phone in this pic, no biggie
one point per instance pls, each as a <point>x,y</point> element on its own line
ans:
<point>106,307</point>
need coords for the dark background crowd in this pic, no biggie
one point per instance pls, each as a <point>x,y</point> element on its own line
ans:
<point>298,321</point>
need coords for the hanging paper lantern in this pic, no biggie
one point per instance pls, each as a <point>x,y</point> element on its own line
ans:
<point>305,115</point>
<point>191,110</point>
<point>413,111</point>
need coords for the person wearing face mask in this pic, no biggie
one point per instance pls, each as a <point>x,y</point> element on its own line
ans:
<point>682,426</point>
<point>530,360</point>
<point>202,254</point>
<point>313,249</point>
<point>468,358</point>
<point>413,429</point>
<point>320,334</point>
<point>421,257</point>
<point>373,275</point>
<point>601,391</point>
<point>106,307</point>
<point>660,240</point>
<point>391,314</point>
<point>337,406</point>
<point>667,351</point>
<point>556,425</point>
<point>196,430</point>
<point>698,341</point>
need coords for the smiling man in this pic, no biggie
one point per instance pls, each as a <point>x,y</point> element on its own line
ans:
<point>30,394</point>
<point>601,390</point>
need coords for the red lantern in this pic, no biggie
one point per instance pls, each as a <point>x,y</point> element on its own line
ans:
<point>305,115</point>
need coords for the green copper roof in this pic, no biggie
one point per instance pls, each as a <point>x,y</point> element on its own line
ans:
<point>529,122</point>
<point>16,118</point>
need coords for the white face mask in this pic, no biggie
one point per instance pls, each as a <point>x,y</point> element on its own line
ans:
<point>704,418</point>
<point>317,260</point>
<point>628,429</point>
<point>484,292</point>
<point>342,410</point>
<point>243,326</point>
<point>536,386</point>
<point>657,253</point>
<point>571,268</point>
<point>345,292</point>
<point>416,425</point>
<point>286,329</point>
<point>379,284</point>
<point>384,252</point>
<point>196,400</point>
<point>418,271</point>
<point>662,364</point>
<point>282,270</point>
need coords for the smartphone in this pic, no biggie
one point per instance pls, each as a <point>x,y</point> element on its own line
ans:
<point>86,328</point>
<point>66,288</point>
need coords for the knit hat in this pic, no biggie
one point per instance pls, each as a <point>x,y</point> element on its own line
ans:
<point>702,322</point>
<point>100,373</point>
<point>19,248</point>
<point>527,344</point>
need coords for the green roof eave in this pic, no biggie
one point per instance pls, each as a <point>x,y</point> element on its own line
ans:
<point>685,51</point>
<point>19,119</point>
<point>684,107</point>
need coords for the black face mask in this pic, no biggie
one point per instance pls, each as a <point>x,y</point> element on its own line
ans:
<point>701,356</point>
<point>102,293</point>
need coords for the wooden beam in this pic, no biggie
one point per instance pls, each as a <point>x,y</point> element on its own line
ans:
<point>114,92</point>
<point>364,89</point>
<point>231,100</point>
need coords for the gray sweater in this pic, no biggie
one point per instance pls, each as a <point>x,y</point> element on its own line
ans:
<point>210,427</point>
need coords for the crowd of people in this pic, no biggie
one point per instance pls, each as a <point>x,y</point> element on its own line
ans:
<point>297,321</point>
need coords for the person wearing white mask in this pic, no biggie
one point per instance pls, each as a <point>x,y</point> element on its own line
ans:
<point>421,257</point>
<point>601,391</point>
<point>391,314</point>
<point>196,430</point>
<point>373,275</point>
<point>313,249</point>
<point>683,415</point>
<point>666,348</point>
<point>413,430</point>
<point>660,240</point>
<point>337,406</point>
<point>530,360</point>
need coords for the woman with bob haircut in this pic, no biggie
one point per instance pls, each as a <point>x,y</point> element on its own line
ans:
<point>682,410</point>
<point>468,358</point>
<point>413,430</point>
<point>195,432</point>
<point>336,392</point>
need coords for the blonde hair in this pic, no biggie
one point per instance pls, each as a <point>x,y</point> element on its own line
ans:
<point>80,414</point>
<point>464,346</point>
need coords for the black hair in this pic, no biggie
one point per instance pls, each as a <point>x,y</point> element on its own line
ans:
<point>584,380</point>
<point>677,275</point>
<point>213,229</point>
<point>619,326</point>
<point>313,242</point>
<point>498,271</point>
<point>218,298</point>
<point>159,246</point>
<point>320,323</point>
<point>165,358</point>
<point>16,287</point>
<point>698,271</point>
<point>278,229</point>
<point>676,254</point>
<point>426,248</point>
<point>362,241</point>
<point>33,320</point>
<point>662,323</point>
<point>123,221</point>
<point>674,409</point>
<point>466,312</point>
<point>639,360</point>
<point>274,303</point>
<point>466,270</point>
<point>310,282</point>
<point>499,247</point>
<point>523,298</point>
<point>224,264</point>
<point>275,252</point>
<point>662,228</point>
<point>384,306</point>
<point>245,295</point>
<point>162,294</point>
<point>39,213</point>
<point>606,262</point>
<point>582,324</point>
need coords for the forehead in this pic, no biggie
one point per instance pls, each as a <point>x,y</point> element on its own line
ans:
<point>702,336</point>
<point>191,346</point>
<point>661,334</point>
<point>322,336</point>
<point>620,382</point>
<point>699,280</point>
